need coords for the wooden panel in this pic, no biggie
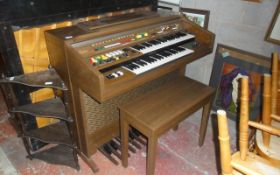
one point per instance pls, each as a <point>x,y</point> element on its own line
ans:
<point>34,57</point>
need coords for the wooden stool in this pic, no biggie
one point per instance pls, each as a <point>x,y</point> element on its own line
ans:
<point>268,145</point>
<point>159,110</point>
<point>243,161</point>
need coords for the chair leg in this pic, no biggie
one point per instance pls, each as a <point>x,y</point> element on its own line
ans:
<point>204,122</point>
<point>151,156</point>
<point>124,140</point>
<point>225,152</point>
<point>244,118</point>
<point>274,83</point>
<point>266,108</point>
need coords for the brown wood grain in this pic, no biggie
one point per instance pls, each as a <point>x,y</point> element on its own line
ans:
<point>83,78</point>
<point>162,109</point>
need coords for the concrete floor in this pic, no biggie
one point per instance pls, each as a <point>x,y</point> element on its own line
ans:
<point>178,153</point>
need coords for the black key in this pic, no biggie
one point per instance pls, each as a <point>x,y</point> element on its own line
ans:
<point>154,59</point>
<point>177,35</point>
<point>146,60</point>
<point>135,66</point>
<point>172,51</point>
<point>141,63</point>
<point>182,33</point>
<point>158,40</point>
<point>141,47</point>
<point>138,47</point>
<point>167,38</point>
<point>135,47</point>
<point>154,42</point>
<point>157,56</point>
<point>149,60</point>
<point>180,49</point>
<point>172,36</point>
<point>167,53</point>
<point>162,53</point>
<point>146,44</point>
<point>162,40</point>
<point>128,66</point>
<point>131,66</point>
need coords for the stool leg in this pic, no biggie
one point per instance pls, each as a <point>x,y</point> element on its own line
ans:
<point>151,156</point>
<point>124,143</point>
<point>204,122</point>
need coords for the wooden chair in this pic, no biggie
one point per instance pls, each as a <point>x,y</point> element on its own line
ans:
<point>243,161</point>
<point>268,145</point>
<point>275,88</point>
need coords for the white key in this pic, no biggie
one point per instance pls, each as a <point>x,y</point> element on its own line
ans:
<point>158,63</point>
<point>165,44</point>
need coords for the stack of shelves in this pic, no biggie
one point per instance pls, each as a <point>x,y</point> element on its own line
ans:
<point>60,146</point>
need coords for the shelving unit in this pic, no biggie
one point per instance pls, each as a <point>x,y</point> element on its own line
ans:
<point>60,146</point>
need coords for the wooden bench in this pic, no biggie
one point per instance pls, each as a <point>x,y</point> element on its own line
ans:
<point>159,110</point>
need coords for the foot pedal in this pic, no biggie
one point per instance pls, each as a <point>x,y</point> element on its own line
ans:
<point>138,136</point>
<point>107,152</point>
<point>130,148</point>
<point>112,149</point>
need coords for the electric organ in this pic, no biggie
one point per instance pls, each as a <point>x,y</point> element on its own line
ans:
<point>110,61</point>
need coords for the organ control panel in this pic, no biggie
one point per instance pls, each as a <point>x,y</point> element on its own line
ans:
<point>110,59</point>
<point>152,41</point>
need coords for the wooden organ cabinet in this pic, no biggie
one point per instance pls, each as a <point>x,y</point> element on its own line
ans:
<point>108,62</point>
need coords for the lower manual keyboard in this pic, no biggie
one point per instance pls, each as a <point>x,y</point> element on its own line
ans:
<point>156,59</point>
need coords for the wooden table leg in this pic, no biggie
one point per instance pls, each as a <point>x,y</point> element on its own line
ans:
<point>204,122</point>
<point>89,162</point>
<point>151,156</point>
<point>124,140</point>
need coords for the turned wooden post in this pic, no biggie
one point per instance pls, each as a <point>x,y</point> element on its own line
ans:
<point>244,117</point>
<point>266,109</point>
<point>274,83</point>
<point>225,152</point>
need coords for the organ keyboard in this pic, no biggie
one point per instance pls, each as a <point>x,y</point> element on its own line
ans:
<point>159,43</point>
<point>156,59</point>
<point>105,64</point>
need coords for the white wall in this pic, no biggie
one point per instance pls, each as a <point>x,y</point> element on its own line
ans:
<point>237,23</point>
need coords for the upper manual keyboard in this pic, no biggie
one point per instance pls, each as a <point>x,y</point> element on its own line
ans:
<point>162,42</point>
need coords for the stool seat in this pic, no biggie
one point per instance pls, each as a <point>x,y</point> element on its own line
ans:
<point>168,104</point>
<point>161,109</point>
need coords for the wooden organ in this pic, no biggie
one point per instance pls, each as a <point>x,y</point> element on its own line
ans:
<point>110,61</point>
